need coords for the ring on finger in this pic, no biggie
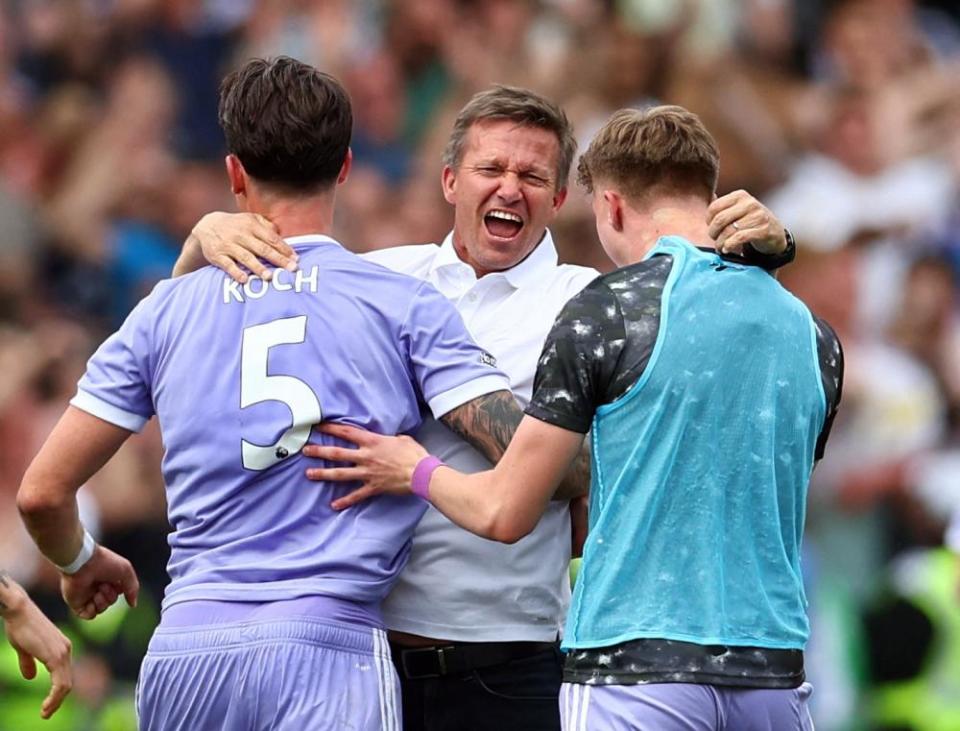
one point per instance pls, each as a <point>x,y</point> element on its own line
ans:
<point>735,225</point>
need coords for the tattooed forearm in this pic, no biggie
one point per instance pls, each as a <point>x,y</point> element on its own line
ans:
<point>487,422</point>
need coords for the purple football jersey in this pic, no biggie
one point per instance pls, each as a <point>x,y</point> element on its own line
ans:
<point>238,374</point>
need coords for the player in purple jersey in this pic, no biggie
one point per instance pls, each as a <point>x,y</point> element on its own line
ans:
<point>271,619</point>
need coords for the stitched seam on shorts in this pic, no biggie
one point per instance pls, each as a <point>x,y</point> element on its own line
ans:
<point>241,645</point>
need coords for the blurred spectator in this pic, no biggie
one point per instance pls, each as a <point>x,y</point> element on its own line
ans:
<point>379,112</point>
<point>850,187</point>
<point>194,52</point>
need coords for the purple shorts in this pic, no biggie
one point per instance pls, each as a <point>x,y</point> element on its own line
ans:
<point>683,707</point>
<point>288,675</point>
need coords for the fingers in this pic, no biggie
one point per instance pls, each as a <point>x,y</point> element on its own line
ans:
<point>278,251</point>
<point>244,244</point>
<point>737,219</point>
<point>360,437</point>
<point>223,233</point>
<point>734,244</point>
<point>100,602</point>
<point>104,597</point>
<point>354,497</point>
<point>251,262</point>
<point>109,592</point>
<point>232,270</point>
<point>332,454</point>
<point>270,226</point>
<point>724,202</point>
<point>88,608</point>
<point>336,474</point>
<point>721,223</point>
<point>262,243</point>
<point>61,676</point>
<point>131,587</point>
<point>28,666</point>
<point>237,261</point>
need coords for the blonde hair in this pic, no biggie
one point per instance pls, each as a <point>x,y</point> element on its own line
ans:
<point>663,150</point>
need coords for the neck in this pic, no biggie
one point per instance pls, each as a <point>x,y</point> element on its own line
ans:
<point>295,215</point>
<point>666,217</point>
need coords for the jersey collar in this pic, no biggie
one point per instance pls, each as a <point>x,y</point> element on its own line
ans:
<point>311,240</point>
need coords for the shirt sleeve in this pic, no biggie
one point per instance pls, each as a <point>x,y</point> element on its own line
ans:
<point>579,360</point>
<point>116,384</point>
<point>449,367</point>
<point>830,355</point>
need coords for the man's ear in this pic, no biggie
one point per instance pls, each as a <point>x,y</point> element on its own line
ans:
<point>236,174</point>
<point>614,210</point>
<point>558,198</point>
<point>345,168</point>
<point>448,179</point>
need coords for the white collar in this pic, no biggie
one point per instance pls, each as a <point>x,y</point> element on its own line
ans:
<point>542,258</point>
<point>311,240</point>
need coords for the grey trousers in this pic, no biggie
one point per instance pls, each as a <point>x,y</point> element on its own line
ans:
<point>683,707</point>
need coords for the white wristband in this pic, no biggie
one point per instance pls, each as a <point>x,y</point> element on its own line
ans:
<point>86,553</point>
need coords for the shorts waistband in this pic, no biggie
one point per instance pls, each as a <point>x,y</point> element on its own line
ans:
<point>200,639</point>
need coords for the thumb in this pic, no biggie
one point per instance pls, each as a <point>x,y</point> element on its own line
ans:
<point>28,666</point>
<point>131,587</point>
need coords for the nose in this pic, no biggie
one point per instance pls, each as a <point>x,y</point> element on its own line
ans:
<point>509,190</point>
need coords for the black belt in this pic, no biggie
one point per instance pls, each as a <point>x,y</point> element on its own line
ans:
<point>418,663</point>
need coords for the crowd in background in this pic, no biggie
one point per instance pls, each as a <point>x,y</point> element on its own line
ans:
<point>842,115</point>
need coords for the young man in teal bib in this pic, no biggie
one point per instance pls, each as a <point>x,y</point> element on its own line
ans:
<point>708,391</point>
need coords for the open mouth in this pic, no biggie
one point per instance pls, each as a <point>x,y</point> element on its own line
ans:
<point>502,224</point>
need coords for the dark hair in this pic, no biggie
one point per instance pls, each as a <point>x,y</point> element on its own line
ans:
<point>288,123</point>
<point>662,150</point>
<point>518,105</point>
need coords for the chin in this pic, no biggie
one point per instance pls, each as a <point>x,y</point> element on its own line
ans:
<point>508,252</point>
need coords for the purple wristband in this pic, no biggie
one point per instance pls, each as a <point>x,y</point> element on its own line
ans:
<point>420,482</point>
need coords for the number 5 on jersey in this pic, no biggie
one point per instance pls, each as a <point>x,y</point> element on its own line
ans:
<point>256,386</point>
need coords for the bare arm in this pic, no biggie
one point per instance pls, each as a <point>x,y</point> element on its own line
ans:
<point>506,503</point>
<point>79,445</point>
<point>488,423</point>
<point>503,504</point>
<point>34,637</point>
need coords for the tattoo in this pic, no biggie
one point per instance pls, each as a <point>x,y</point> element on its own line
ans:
<point>487,423</point>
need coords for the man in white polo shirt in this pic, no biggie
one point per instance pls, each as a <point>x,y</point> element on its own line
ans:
<point>474,623</point>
